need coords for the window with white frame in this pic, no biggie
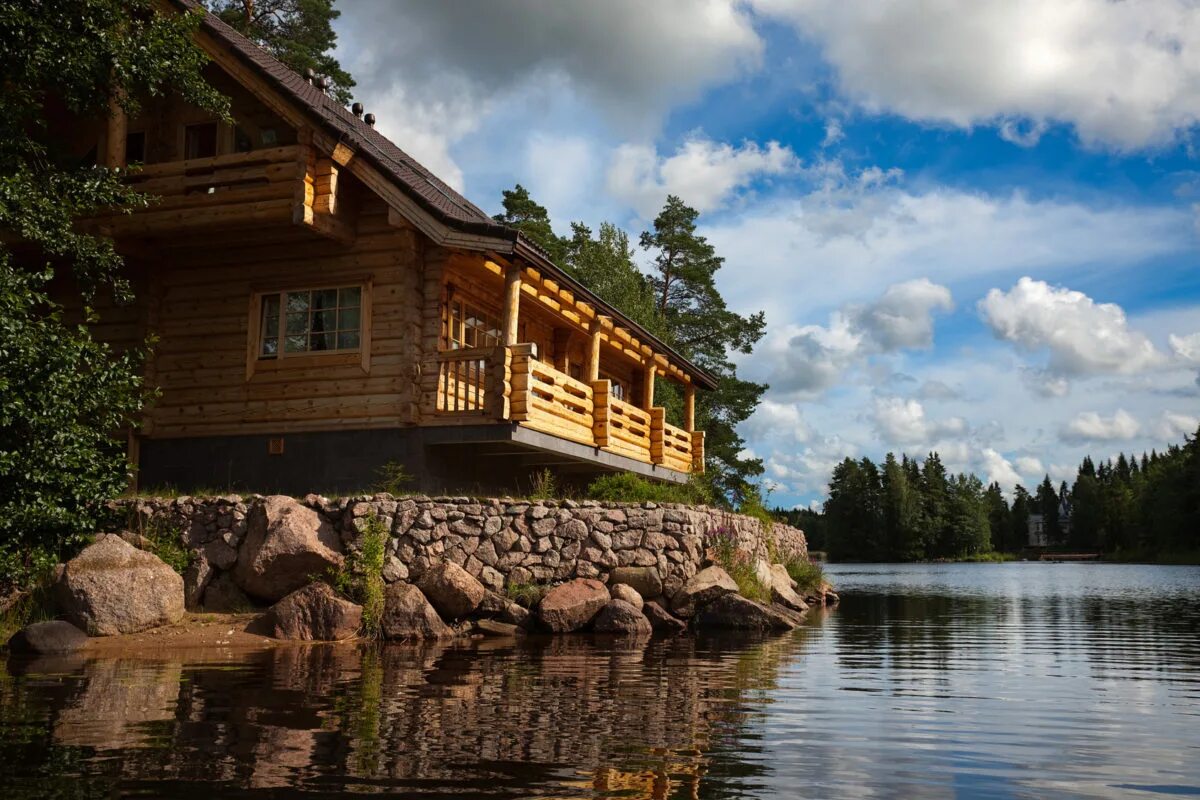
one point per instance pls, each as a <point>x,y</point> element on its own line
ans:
<point>295,322</point>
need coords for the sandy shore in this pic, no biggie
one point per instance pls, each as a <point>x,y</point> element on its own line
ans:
<point>194,631</point>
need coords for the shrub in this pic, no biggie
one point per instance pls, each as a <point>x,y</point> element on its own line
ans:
<point>361,577</point>
<point>394,478</point>
<point>808,575</point>
<point>526,594</point>
<point>626,487</point>
<point>543,485</point>
<point>166,541</point>
<point>737,563</point>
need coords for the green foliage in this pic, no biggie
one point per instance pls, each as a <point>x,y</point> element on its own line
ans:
<point>166,541</point>
<point>529,217</point>
<point>739,565</point>
<point>527,595</point>
<point>808,575</point>
<point>394,478</point>
<point>361,577</point>
<point>35,603</point>
<point>297,32</point>
<point>64,396</point>
<point>627,487</point>
<point>543,485</point>
<point>753,505</point>
<point>606,265</point>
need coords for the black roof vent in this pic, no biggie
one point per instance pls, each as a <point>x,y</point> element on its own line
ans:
<point>370,120</point>
<point>309,75</point>
<point>357,109</point>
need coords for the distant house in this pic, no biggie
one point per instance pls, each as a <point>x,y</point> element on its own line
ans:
<point>1039,536</point>
<point>324,305</point>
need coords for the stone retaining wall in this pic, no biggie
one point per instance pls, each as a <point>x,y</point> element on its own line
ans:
<point>499,541</point>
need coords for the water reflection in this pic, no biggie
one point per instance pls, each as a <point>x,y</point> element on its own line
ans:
<point>934,681</point>
<point>560,717</point>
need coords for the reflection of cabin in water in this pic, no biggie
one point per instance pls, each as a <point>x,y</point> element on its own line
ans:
<point>1039,533</point>
<point>325,305</point>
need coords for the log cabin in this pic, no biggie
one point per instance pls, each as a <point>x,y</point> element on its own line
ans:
<point>323,305</point>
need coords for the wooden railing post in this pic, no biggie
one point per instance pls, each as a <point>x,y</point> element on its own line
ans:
<point>512,303</point>
<point>521,356</point>
<point>601,392</point>
<point>499,388</point>
<point>698,452</point>
<point>658,418</point>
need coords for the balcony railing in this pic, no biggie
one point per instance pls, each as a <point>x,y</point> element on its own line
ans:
<point>509,383</point>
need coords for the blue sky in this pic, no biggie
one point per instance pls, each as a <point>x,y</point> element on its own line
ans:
<point>973,226</point>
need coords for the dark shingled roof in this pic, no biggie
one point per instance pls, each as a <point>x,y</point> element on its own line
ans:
<point>426,189</point>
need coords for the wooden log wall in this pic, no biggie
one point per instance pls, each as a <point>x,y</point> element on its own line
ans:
<point>201,362</point>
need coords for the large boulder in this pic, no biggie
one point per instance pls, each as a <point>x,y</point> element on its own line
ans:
<point>732,611</point>
<point>644,580</point>
<point>625,592</point>
<point>407,614</point>
<point>222,596</point>
<point>315,613</point>
<point>705,586</point>
<point>499,608</point>
<point>572,605</point>
<point>112,587</point>
<point>286,546</point>
<point>782,589</point>
<point>661,620</point>
<point>43,638</point>
<point>619,617</point>
<point>453,591</point>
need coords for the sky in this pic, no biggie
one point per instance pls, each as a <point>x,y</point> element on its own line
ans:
<point>973,226</point>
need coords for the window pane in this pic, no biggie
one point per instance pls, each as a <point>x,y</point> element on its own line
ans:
<point>323,341</point>
<point>324,321</point>
<point>348,340</point>
<point>297,323</point>
<point>296,344</point>
<point>326,298</point>
<point>348,319</point>
<point>297,301</point>
<point>270,347</point>
<point>349,296</point>
<point>270,305</point>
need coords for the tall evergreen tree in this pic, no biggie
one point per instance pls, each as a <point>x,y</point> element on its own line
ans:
<point>297,32</point>
<point>999,520</point>
<point>1047,505</point>
<point>934,506</point>
<point>901,512</point>
<point>531,218</point>
<point>605,265</point>
<point>705,330</point>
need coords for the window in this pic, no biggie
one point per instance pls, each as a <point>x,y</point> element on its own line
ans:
<point>135,148</point>
<point>618,386</point>
<point>467,326</point>
<point>310,321</point>
<point>200,141</point>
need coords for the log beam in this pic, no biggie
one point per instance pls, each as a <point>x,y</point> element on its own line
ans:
<point>512,303</point>
<point>689,408</point>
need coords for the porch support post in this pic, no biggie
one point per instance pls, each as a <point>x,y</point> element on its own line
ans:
<point>648,387</point>
<point>593,363</point>
<point>689,407</point>
<point>512,302</point>
<point>115,134</point>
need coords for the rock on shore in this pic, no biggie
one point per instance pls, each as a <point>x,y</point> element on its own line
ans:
<point>112,587</point>
<point>286,545</point>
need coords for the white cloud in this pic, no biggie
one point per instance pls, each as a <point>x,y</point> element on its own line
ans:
<point>1083,337</point>
<point>702,172</point>
<point>998,469</point>
<point>1173,426</point>
<point>1029,467</point>
<point>1089,426</point>
<point>1186,348</point>
<point>1045,383</point>
<point>812,358</point>
<point>903,422</point>
<point>1124,75</point>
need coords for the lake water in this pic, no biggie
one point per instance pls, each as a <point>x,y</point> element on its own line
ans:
<point>989,680</point>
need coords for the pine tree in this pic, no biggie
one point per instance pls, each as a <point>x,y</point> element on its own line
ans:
<point>901,512</point>
<point>532,219</point>
<point>934,507</point>
<point>605,265</point>
<point>1047,503</point>
<point>704,330</point>
<point>999,519</point>
<point>297,32</point>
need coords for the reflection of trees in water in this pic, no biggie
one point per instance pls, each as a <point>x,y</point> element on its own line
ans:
<point>563,714</point>
<point>919,638</point>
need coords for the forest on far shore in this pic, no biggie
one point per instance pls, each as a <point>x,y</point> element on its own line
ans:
<point>1131,508</point>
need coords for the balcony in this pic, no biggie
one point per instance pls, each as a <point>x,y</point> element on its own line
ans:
<point>509,384</point>
<point>281,185</point>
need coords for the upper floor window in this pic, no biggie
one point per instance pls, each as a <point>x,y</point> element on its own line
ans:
<point>311,321</point>
<point>200,141</point>
<point>468,326</point>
